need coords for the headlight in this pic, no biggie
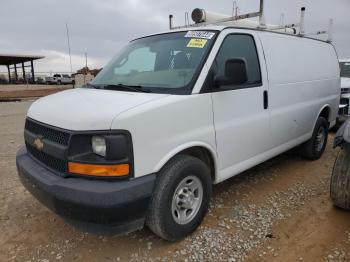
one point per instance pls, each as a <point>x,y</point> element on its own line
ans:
<point>99,145</point>
<point>103,154</point>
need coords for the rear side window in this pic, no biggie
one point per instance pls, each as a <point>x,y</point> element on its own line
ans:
<point>345,70</point>
<point>240,46</point>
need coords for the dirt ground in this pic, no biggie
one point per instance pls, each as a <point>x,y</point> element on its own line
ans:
<point>277,211</point>
<point>31,87</point>
<point>25,92</point>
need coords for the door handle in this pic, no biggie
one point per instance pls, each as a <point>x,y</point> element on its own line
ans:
<point>266,100</point>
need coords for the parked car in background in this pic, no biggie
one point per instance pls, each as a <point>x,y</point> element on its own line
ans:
<point>344,106</point>
<point>40,80</point>
<point>60,79</point>
<point>340,182</point>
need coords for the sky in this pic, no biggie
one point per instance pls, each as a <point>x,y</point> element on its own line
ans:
<point>101,28</point>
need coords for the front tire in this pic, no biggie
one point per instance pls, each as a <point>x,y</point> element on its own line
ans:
<point>340,182</point>
<point>315,147</point>
<point>181,198</point>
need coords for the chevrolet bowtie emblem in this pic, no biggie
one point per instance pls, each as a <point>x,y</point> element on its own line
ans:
<point>38,143</point>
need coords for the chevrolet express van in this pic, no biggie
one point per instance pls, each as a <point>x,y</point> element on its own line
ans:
<point>170,116</point>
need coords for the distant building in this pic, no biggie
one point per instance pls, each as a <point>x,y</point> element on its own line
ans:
<point>16,67</point>
<point>85,75</point>
<point>87,70</point>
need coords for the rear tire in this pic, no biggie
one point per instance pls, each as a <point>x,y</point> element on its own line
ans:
<point>340,181</point>
<point>315,147</point>
<point>181,198</point>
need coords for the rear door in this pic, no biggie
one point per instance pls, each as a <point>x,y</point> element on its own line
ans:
<point>241,115</point>
<point>303,78</point>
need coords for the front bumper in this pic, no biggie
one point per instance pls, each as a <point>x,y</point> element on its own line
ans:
<point>102,207</point>
<point>344,107</point>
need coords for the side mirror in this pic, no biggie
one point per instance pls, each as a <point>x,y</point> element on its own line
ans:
<point>235,73</point>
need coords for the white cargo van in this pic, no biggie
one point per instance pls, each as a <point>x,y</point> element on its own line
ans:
<point>171,115</point>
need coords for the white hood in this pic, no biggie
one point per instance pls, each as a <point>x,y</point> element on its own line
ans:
<point>86,109</point>
<point>345,82</point>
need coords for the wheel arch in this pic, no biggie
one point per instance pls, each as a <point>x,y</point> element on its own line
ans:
<point>201,150</point>
<point>325,112</point>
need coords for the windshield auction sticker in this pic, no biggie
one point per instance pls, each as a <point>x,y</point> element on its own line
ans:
<point>197,43</point>
<point>200,34</point>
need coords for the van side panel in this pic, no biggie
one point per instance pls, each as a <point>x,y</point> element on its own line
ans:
<point>303,79</point>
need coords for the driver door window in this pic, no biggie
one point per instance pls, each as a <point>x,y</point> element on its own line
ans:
<point>243,47</point>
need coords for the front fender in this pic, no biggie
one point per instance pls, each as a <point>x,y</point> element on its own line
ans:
<point>343,134</point>
<point>183,147</point>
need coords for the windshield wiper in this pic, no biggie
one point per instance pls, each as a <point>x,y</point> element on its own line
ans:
<point>136,88</point>
<point>92,86</point>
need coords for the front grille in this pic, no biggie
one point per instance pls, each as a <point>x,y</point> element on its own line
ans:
<point>345,91</point>
<point>50,161</point>
<point>345,110</point>
<point>344,101</point>
<point>51,134</point>
<point>54,135</point>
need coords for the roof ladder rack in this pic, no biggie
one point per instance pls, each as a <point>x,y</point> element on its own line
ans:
<point>262,22</point>
<point>203,18</point>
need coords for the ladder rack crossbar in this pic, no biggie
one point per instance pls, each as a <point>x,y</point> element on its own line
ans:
<point>317,33</point>
<point>283,27</point>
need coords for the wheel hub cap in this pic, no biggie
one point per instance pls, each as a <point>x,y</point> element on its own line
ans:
<point>187,200</point>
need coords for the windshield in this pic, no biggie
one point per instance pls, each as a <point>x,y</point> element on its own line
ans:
<point>345,69</point>
<point>167,63</point>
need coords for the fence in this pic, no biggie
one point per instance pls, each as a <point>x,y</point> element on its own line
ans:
<point>40,77</point>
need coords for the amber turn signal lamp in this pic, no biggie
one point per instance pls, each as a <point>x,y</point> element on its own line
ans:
<point>99,170</point>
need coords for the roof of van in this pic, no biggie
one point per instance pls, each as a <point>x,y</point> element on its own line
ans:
<point>223,27</point>
<point>344,60</point>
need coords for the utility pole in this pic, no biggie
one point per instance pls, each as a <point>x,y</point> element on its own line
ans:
<point>70,56</point>
<point>86,67</point>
